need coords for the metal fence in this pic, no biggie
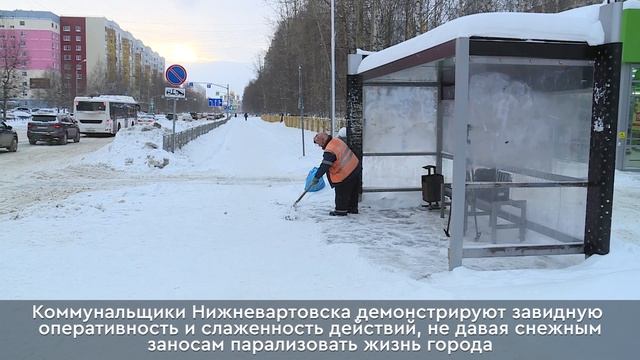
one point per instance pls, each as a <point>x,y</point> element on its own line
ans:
<point>185,136</point>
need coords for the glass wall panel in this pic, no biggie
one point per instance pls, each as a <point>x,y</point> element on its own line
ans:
<point>632,148</point>
<point>529,127</point>
<point>395,171</point>
<point>422,73</point>
<point>399,119</point>
<point>447,107</point>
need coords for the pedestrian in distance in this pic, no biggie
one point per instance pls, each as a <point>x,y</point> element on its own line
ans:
<point>343,171</point>
<point>281,117</point>
<point>246,116</point>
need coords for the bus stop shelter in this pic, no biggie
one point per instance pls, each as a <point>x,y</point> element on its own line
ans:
<point>521,123</point>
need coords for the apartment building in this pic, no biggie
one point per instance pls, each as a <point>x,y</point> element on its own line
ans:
<point>73,47</point>
<point>100,52</point>
<point>79,50</point>
<point>36,34</point>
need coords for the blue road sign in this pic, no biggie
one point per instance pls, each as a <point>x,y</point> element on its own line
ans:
<point>215,102</point>
<point>176,75</point>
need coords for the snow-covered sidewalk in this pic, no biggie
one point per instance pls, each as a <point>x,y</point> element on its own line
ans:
<point>211,225</point>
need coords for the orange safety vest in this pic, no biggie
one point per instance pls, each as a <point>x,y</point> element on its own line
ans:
<point>345,163</point>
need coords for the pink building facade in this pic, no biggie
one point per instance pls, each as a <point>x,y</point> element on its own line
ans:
<point>36,34</point>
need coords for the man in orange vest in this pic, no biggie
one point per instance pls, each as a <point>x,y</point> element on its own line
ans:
<point>343,171</point>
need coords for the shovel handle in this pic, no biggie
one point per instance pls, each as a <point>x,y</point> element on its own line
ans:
<point>301,196</point>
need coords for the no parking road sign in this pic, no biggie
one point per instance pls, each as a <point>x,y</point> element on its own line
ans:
<point>176,74</point>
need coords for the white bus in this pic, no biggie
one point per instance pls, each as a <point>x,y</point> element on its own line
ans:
<point>105,114</point>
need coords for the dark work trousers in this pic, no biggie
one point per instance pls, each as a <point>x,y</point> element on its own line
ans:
<point>347,193</point>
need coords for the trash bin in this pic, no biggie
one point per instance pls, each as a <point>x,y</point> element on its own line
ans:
<point>431,187</point>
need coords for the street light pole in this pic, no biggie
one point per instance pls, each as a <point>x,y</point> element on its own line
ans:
<point>301,105</point>
<point>333,70</point>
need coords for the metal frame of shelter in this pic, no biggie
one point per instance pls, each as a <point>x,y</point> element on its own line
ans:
<point>453,81</point>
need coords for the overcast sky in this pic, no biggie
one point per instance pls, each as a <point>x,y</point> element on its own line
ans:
<point>190,32</point>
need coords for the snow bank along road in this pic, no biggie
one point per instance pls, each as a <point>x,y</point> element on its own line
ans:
<point>38,172</point>
<point>210,225</point>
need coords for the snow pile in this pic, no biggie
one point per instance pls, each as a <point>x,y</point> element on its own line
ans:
<point>138,148</point>
<point>180,124</point>
<point>17,124</point>
<point>254,149</point>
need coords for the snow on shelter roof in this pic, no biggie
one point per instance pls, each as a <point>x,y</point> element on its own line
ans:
<point>578,25</point>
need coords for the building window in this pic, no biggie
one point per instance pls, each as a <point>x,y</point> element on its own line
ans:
<point>78,57</point>
<point>78,76</point>
<point>24,73</point>
<point>67,66</point>
<point>78,38</point>
<point>66,28</point>
<point>67,76</point>
<point>67,58</point>
<point>78,66</point>
<point>21,22</point>
<point>66,48</point>
<point>78,29</point>
<point>78,47</point>
<point>66,38</point>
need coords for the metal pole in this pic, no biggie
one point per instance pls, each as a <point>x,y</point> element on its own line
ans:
<point>301,105</point>
<point>228,102</point>
<point>173,135</point>
<point>333,70</point>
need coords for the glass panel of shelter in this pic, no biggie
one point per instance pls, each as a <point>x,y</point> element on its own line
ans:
<point>528,141</point>
<point>632,147</point>
<point>399,129</point>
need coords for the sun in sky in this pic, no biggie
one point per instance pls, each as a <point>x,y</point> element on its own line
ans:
<point>183,53</point>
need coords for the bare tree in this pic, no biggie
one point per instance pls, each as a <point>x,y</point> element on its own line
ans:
<point>13,59</point>
<point>302,37</point>
<point>54,91</point>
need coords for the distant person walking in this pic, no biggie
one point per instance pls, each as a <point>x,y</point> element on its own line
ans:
<point>246,116</point>
<point>343,171</point>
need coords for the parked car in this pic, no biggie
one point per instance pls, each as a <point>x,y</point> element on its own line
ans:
<point>146,119</point>
<point>8,138</point>
<point>53,127</point>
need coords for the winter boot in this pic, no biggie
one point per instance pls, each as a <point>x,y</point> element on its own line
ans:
<point>338,213</point>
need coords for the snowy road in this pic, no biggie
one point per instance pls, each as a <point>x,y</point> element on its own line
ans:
<point>211,225</point>
<point>39,172</point>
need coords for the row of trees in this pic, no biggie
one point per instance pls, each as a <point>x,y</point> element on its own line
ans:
<point>302,40</point>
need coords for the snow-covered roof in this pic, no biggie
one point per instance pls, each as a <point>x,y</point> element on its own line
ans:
<point>115,98</point>
<point>632,4</point>
<point>579,25</point>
